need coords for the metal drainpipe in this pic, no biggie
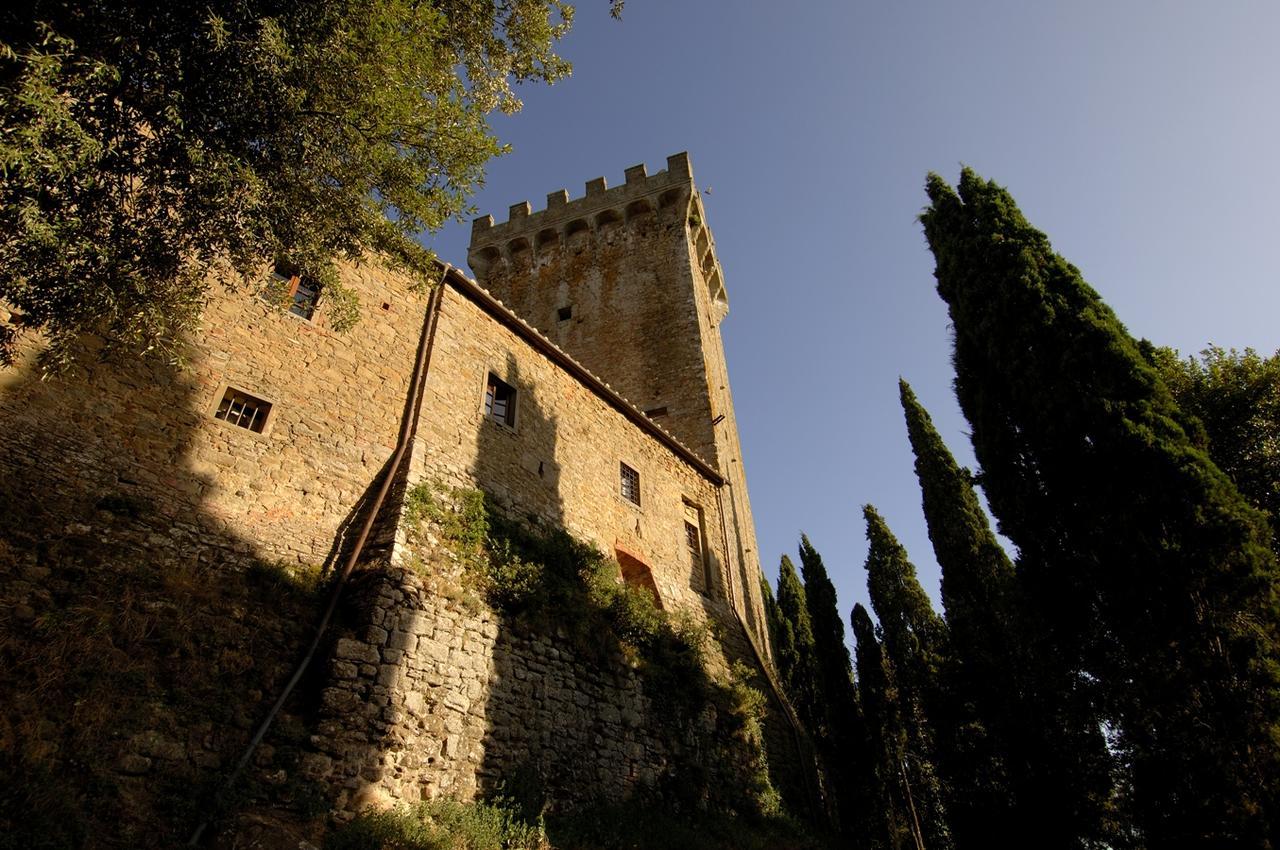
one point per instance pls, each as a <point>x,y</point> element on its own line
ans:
<point>406,430</point>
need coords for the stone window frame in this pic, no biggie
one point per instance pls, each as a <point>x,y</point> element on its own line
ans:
<point>514,409</point>
<point>621,490</point>
<point>239,386</point>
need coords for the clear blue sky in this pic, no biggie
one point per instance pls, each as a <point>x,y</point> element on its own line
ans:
<point>1142,137</point>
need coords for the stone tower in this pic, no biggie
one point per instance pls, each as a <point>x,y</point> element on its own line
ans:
<point>627,282</point>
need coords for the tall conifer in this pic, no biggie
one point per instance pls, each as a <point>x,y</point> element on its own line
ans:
<point>831,654</point>
<point>794,650</point>
<point>1152,570</point>
<point>1026,750</point>
<point>838,720</point>
<point>914,635</point>
<point>890,824</point>
<point>915,639</point>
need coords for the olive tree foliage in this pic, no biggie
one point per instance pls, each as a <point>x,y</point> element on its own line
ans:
<point>150,149</point>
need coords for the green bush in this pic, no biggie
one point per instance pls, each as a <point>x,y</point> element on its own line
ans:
<point>441,825</point>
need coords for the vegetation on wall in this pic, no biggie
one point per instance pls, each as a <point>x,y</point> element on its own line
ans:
<point>543,579</point>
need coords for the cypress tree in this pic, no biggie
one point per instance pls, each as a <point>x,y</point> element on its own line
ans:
<point>773,620</point>
<point>794,650</point>
<point>1152,571</point>
<point>831,655</point>
<point>1026,756</point>
<point>915,640</point>
<point>890,824</point>
<point>914,635</point>
<point>837,719</point>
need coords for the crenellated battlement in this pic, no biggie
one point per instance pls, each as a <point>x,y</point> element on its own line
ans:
<point>600,207</point>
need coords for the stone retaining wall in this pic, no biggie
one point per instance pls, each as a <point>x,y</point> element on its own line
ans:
<point>440,696</point>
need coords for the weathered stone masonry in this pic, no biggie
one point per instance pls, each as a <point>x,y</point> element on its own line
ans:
<point>426,696</point>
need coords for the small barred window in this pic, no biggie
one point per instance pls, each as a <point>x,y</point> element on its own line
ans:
<point>243,410</point>
<point>630,484</point>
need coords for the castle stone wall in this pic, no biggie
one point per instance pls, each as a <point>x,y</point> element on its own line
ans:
<point>438,697</point>
<point>616,260</point>
<point>142,436</point>
<point>561,462</point>
<point>636,265</point>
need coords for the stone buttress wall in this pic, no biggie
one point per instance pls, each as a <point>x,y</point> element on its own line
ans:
<point>446,700</point>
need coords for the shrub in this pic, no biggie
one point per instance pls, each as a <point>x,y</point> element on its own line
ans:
<point>441,825</point>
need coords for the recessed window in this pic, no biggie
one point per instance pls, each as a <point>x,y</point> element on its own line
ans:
<point>656,412</point>
<point>290,289</point>
<point>500,401</point>
<point>243,410</point>
<point>630,484</point>
<point>565,313</point>
<point>693,540</point>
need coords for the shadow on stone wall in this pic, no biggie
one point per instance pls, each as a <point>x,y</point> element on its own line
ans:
<point>147,640</point>
<point>143,639</point>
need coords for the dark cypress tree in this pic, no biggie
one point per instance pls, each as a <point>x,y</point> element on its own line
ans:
<point>831,655</point>
<point>793,651</point>
<point>890,823</point>
<point>773,620</point>
<point>1025,755</point>
<point>838,724</point>
<point>1153,572</point>
<point>915,639</point>
<point>914,635</point>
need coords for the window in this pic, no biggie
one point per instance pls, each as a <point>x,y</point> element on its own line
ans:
<point>289,289</point>
<point>565,313</point>
<point>693,539</point>
<point>500,401</point>
<point>243,410</point>
<point>656,412</point>
<point>630,484</point>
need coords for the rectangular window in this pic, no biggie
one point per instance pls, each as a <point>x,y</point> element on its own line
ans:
<point>693,539</point>
<point>656,412</point>
<point>289,289</point>
<point>243,410</point>
<point>565,313</point>
<point>500,401</point>
<point>630,484</point>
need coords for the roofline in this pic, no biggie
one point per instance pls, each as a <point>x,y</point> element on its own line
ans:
<point>491,305</point>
